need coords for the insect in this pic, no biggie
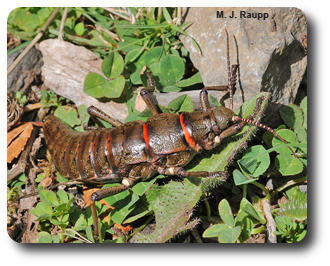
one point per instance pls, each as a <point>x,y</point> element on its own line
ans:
<point>138,150</point>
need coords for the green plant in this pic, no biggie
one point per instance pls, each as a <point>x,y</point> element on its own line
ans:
<point>49,98</point>
<point>56,213</point>
<point>288,230</point>
<point>229,230</point>
<point>21,98</point>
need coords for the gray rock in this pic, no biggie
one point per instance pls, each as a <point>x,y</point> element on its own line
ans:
<point>271,51</point>
<point>65,68</point>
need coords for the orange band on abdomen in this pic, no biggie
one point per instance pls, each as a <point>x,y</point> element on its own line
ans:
<point>189,138</point>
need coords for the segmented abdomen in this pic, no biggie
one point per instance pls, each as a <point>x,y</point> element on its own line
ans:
<point>108,155</point>
<point>98,155</point>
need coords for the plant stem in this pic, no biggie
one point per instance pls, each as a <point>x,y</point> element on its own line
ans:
<point>207,205</point>
<point>258,230</point>
<point>264,189</point>
<point>288,184</point>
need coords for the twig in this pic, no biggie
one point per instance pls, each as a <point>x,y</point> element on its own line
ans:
<point>34,41</point>
<point>110,33</point>
<point>80,237</point>
<point>60,34</point>
<point>271,226</point>
<point>116,13</point>
<point>132,18</point>
<point>139,12</point>
<point>178,18</point>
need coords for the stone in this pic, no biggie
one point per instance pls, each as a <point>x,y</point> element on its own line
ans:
<point>269,44</point>
<point>65,68</point>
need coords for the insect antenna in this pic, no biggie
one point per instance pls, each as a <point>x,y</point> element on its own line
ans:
<point>249,121</point>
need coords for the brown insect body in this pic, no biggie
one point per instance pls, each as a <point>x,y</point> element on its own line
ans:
<point>136,150</point>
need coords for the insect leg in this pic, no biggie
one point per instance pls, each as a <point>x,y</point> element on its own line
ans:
<point>103,193</point>
<point>203,97</point>
<point>179,171</point>
<point>147,99</point>
<point>97,114</point>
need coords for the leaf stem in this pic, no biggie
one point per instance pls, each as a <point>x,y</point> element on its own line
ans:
<point>288,184</point>
<point>207,205</point>
<point>264,189</point>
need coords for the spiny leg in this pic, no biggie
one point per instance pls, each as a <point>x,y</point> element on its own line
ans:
<point>230,87</point>
<point>232,76</point>
<point>103,193</point>
<point>97,114</point>
<point>181,172</point>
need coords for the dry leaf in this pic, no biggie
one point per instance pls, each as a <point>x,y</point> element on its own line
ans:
<point>32,106</point>
<point>124,229</point>
<point>46,182</point>
<point>16,139</point>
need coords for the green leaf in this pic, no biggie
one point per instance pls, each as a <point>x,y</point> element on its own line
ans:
<point>288,136</point>
<point>80,28</point>
<point>296,207</point>
<point>249,209</point>
<point>214,230</point>
<point>167,15</point>
<point>181,104</point>
<point>123,203</point>
<point>287,164</point>
<point>229,235</point>
<point>172,68</point>
<point>302,137</point>
<point>59,223</point>
<point>113,65</point>
<point>62,196</point>
<point>303,107</point>
<point>114,88</point>
<point>241,179</point>
<point>213,100</point>
<point>132,117</point>
<point>195,79</point>
<point>171,88</point>
<point>26,21</point>
<point>68,115</point>
<point>93,85</point>
<point>79,223</point>
<point>45,237</point>
<point>154,55</point>
<point>172,204</point>
<point>225,213</point>
<point>127,32</point>
<point>292,115</point>
<point>83,114</point>
<point>43,211</point>
<point>255,161</point>
<point>89,234</point>
<point>137,66</point>
<point>141,187</point>
<point>175,27</point>
<point>48,197</point>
